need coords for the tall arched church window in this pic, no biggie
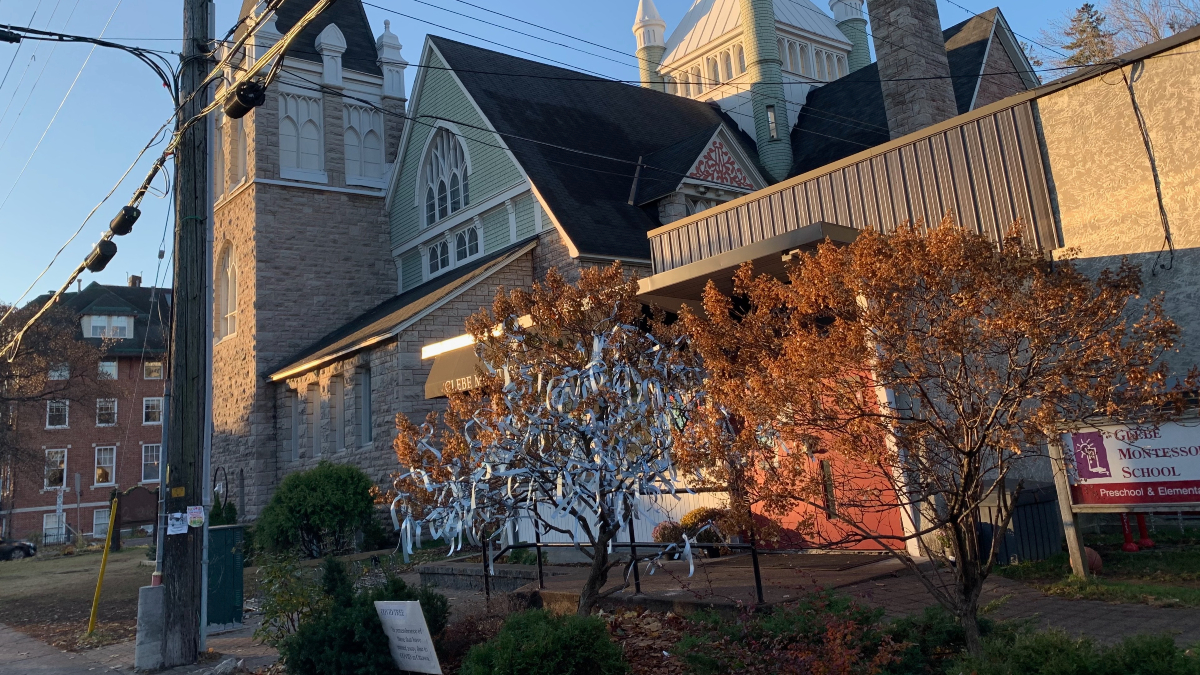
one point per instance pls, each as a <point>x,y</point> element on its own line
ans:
<point>830,66</point>
<point>782,44</point>
<point>726,66</point>
<point>301,140</point>
<point>819,60</point>
<point>237,152</point>
<point>447,189</point>
<point>841,66</point>
<point>226,291</point>
<point>805,67</point>
<point>697,81</point>
<point>795,58</point>
<point>669,84</point>
<point>714,72</point>
<point>739,56</point>
<point>363,133</point>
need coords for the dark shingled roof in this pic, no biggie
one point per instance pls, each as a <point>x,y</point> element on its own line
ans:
<point>847,115</point>
<point>589,195</point>
<point>390,313</point>
<point>668,165</point>
<point>351,19</point>
<point>150,307</point>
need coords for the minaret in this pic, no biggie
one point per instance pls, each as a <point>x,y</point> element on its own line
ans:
<point>850,20</point>
<point>650,31</point>
<point>764,69</point>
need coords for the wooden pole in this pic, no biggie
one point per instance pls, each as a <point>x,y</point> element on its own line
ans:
<point>182,553</point>
<point>103,566</point>
<point>1070,528</point>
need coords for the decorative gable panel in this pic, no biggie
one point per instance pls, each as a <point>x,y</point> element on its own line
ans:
<point>717,165</point>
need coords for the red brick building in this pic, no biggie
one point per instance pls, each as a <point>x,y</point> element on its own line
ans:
<point>99,444</point>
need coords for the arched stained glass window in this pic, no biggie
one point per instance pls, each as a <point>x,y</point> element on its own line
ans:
<point>446,176</point>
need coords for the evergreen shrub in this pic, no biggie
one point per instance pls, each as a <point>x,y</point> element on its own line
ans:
<point>536,642</point>
<point>344,636</point>
<point>317,512</point>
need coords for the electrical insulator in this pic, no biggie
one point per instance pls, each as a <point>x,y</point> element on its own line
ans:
<point>247,96</point>
<point>9,36</point>
<point>103,252</point>
<point>123,223</point>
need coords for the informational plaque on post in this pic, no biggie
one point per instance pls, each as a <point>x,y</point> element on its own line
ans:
<point>408,636</point>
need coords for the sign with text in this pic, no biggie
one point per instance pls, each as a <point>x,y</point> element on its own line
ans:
<point>408,636</point>
<point>1130,464</point>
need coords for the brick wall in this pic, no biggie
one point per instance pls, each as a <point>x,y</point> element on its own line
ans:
<point>80,439</point>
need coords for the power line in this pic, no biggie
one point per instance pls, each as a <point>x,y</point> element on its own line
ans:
<point>18,49</point>
<point>58,110</point>
<point>36,81</point>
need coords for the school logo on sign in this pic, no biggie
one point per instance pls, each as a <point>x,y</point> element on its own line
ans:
<point>1091,457</point>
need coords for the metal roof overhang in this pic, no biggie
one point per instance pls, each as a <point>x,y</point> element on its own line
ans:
<point>685,285</point>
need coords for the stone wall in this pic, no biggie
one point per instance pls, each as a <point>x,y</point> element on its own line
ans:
<point>908,44</point>
<point>398,376</point>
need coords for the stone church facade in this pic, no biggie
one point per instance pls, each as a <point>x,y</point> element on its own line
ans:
<point>357,227</point>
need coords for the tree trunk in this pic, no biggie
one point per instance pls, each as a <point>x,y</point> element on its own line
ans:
<point>597,576</point>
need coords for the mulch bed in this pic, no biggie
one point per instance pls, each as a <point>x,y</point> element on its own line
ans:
<point>648,640</point>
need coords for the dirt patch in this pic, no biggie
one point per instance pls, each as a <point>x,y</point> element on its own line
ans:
<point>51,598</point>
<point>648,640</point>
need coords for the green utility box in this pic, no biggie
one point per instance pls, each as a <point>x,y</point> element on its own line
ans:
<point>225,577</point>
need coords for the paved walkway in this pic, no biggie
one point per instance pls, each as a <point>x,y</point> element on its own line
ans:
<point>23,655</point>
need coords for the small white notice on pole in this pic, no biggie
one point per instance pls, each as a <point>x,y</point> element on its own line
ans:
<point>408,636</point>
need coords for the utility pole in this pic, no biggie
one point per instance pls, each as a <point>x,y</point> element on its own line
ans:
<point>190,347</point>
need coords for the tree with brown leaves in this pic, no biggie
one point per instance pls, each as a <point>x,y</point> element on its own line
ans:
<point>919,373</point>
<point>575,423</point>
<point>52,364</point>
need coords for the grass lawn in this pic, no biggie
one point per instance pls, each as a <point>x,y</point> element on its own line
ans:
<point>1166,576</point>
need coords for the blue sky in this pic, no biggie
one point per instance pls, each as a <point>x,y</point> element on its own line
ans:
<point>116,104</point>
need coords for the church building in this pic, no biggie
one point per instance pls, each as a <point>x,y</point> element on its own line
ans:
<point>358,227</point>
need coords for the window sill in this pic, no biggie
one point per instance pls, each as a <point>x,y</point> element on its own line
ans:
<point>57,428</point>
<point>103,485</point>
<point>106,425</point>
<point>149,482</point>
<point>224,338</point>
<point>379,183</point>
<point>152,424</point>
<point>304,175</point>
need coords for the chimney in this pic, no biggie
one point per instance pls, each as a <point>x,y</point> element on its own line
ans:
<point>135,281</point>
<point>913,69</point>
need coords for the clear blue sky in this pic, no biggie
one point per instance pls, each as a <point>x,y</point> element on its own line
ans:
<point>117,104</point>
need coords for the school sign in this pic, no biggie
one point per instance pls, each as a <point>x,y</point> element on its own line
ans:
<point>1135,465</point>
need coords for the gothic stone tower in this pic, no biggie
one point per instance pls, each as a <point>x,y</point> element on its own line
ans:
<point>301,241</point>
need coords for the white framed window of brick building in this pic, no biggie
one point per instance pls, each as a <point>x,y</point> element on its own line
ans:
<point>446,169</point>
<point>103,326</point>
<point>100,519</point>
<point>301,139</point>
<point>366,432</point>
<point>108,369</point>
<point>152,410</point>
<point>54,528</point>
<point>152,370</point>
<point>106,412</point>
<point>225,303</point>
<point>61,371</point>
<point>151,455</point>
<point>55,475</point>
<point>58,414</point>
<point>363,129</point>
<point>106,465</point>
<point>337,412</point>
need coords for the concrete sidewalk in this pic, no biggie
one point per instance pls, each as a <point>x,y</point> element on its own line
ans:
<point>23,655</point>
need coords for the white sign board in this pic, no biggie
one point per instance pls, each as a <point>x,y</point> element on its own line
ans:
<point>408,636</point>
<point>1130,464</point>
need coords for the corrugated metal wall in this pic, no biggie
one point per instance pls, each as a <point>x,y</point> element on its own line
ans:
<point>988,170</point>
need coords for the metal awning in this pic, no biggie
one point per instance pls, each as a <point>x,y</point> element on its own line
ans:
<point>685,285</point>
<point>456,368</point>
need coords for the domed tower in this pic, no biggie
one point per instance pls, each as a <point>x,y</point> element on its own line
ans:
<point>650,31</point>
<point>850,20</point>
